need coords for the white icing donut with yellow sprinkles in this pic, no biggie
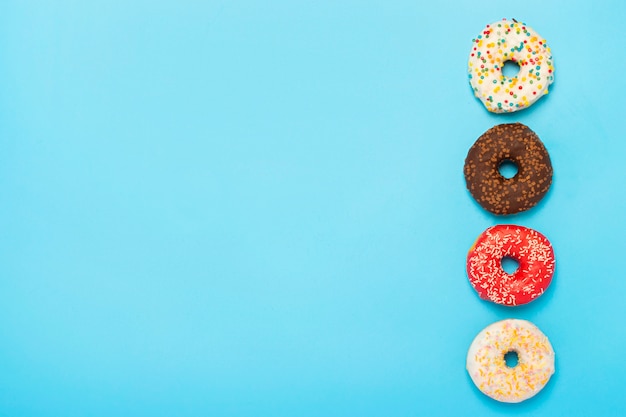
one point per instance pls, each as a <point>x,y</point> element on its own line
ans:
<point>488,368</point>
<point>509,41</point>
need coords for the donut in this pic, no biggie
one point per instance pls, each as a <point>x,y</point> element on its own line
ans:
<point>528,247</point>
<point>515,143</point>
<point>489,371</point>
<point>509,41</point>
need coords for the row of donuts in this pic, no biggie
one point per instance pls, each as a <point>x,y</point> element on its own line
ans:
<point>488,364</point>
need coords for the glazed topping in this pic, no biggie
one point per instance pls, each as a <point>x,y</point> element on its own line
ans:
<point>518,144</point>
<point>530,248</point>
<point>509,41</point>
<point>487,368</point>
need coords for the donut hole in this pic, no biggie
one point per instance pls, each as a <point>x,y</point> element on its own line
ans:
<point>509,264</point>
<point>511,359</point>
<point>510,69</point>
<point>508,169</point>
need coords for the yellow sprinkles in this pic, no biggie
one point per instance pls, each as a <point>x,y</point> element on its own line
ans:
<point>509,41</point>
<point>489,371</point>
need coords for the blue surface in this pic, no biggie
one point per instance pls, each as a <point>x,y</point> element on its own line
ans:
<point>246,208</point>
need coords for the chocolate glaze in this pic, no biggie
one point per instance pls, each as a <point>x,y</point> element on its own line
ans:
<point>517,143</point>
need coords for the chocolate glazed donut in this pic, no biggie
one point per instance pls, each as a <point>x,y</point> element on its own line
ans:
<point>518,144</point>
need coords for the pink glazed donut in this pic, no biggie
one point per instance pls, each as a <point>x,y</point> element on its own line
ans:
<point>530,248</point>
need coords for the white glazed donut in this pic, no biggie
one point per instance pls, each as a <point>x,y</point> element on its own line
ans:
<point>488,369</point>
<point>513,41</point>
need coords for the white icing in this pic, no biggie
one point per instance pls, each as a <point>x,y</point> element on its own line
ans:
<point>504,41</point>
<point>489,372</point>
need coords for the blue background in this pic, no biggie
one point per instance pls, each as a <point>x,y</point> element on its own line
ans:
<point>257,208</point>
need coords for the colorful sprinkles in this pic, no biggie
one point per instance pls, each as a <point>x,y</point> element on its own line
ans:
<point>509,41</point>
<point>487,367</point>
